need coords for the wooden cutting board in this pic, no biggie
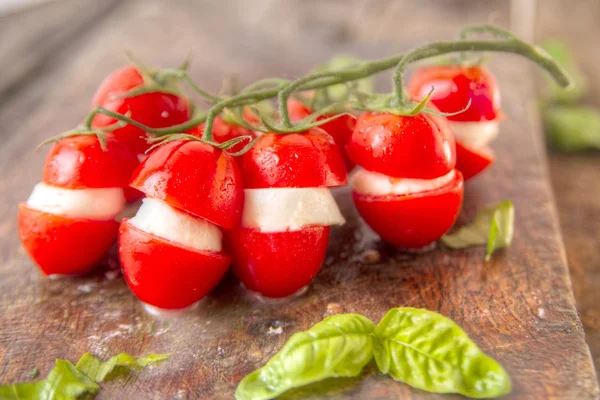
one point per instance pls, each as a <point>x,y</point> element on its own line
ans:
<point>518,307</point>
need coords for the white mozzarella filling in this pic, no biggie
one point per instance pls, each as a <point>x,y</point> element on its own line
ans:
<point>289,209</point>
<point>95,204</point>
<point>376,184</point>
<point>474,134</point>
<point>158,218</point>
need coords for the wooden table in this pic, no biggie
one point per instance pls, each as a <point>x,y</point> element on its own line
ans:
<point>519,307</point>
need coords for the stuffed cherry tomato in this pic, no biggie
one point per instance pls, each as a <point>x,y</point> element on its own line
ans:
<point>476,126</point>
<point>407,190</point>
<point>68,223</point>
<point>288,210</point>
<point>155,109</point>
<point>171,251</point>
<point>222,132</point>
<point>340,128</point>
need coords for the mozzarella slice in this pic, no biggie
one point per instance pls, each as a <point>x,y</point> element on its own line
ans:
<point>160,219</point>
<point>474,134</point>
<point>289,209</point>
<point>376,184</point>
<point>96,204</point>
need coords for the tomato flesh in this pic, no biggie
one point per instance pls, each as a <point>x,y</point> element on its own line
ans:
<point>308,159</point>
<point>420,147</point>
<point>277,264</point>
<point>413,220</point>
<point>194,177</point>
<point>80,162</point>
<point>165,274</point>
<point>471,162</point>
<point>454,86</point>
<point>340,128</point>
<point>156,110</point>
<point>62,245</point>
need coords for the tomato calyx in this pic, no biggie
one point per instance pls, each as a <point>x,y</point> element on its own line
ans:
<point>100,133</point>
<point>389,103</point>
<point>162,140</point>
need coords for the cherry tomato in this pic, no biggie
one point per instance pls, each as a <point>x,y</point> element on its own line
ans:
<point>222,132</point>
<point>62,245</point>
<point>308,159</point>
<point>454,86</point>
<point>471,162</point>
<point>340,128</point>
<point>420,147</point>
<point>156,110</point>
<point>166,274</point>
<point>412,220</point>
<point>278,264</point>
<point>194,177</point>
<point>80,162</point>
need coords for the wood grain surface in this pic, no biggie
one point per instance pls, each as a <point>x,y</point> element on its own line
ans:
<point>575,176</point>
<point>519,307</point>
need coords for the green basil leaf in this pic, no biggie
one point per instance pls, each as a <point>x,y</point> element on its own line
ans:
<point>99,370</point>
<point>572,128</point>
<point>64,382</point>
<point>338,346</point>
<point>560,52</point>
<point>430,352</point>
<point>493,225</point>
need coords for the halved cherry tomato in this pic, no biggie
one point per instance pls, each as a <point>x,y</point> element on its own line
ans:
<point>471,162</point>
<point>412,220</point>
<point>165,274</point>
<point>454,86</point>
<point>62,245</point>
<point>194,177</point>
<point>80,162</point>
<point>308,159</point>
<point>156,110</point>
<point>340,128</point>
<point>222,132</point>
<point>420,147</point>
<point>278,264</point>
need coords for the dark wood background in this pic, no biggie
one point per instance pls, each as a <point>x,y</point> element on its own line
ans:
<point>519,307</point>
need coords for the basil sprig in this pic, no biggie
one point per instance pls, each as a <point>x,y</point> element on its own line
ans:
<point>338,346</point>
<point>419,347</point>
<point>493,225</point>
<point>430,352</point>
<point>69,382</point>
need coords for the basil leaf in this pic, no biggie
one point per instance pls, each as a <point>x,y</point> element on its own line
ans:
<point>430,352</point>
<point>560,52</point>
<point>64,382</point>
<point>572,128</point>
<point>492,225</point>
<point>99,370</point>
<point>338,346</point>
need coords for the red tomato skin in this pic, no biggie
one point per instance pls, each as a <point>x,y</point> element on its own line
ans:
<point>472,162</point>
<point>222,132</point>
<point>63,245</point>
<point>297,160</point>
<point>79,162</point>
<point>156,110</point>
<point>165,274</point>
<point>340,128</point>
<point>419,147</point>
<point>277,264</point>
<point>194,177</point>
<point>454,86</point>
<point>415,220</point>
